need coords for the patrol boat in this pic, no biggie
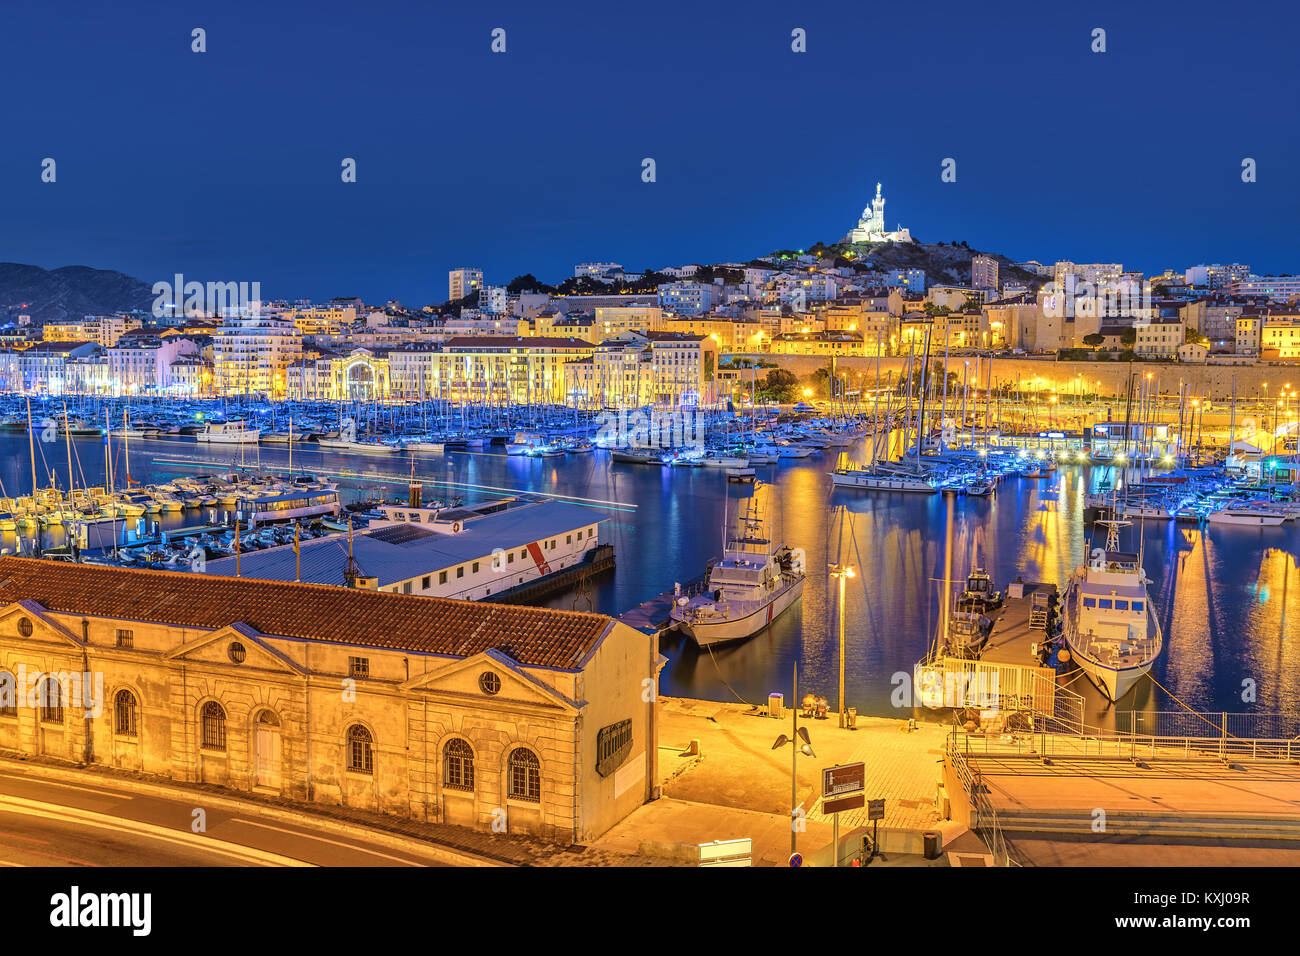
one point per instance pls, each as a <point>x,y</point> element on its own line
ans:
<point>749,588</point>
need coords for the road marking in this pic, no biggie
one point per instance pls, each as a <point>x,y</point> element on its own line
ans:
<point>319,839</point>
<point>246,854</point>
<point>70,786</point>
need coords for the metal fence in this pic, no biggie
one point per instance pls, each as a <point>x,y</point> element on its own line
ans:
<point>1127,746</point>
<point>983,818</point>
<point>1249,726</point>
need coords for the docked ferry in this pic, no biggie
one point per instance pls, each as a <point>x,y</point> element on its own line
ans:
<point>312,502</point>
<point>1111,630</point>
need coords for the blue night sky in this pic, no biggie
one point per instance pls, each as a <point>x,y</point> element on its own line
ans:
<point>225,165</point>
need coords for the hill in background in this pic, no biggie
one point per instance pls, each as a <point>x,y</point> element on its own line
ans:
<point>51,295</point>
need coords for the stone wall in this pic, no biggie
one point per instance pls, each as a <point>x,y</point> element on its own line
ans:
<point>1214,382</point>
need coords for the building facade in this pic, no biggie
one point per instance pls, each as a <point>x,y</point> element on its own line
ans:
<point>472,714</point>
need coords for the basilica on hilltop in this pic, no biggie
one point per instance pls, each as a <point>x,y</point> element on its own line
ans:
<point>871,227</point>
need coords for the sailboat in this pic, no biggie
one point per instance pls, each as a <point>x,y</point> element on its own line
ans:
<point>1109,626</point>
<point>749,588</point>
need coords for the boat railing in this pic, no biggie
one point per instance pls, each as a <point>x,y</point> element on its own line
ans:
<point>1094,645</point>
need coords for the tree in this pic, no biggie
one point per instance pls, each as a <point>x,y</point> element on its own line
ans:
<point>527,283</point>
<point>1094,339</point>
<point>779,387</point>
<point>1192,337</point>
<point>1128,337</point>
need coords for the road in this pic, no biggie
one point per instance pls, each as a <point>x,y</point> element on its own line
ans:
<point>47,822</point>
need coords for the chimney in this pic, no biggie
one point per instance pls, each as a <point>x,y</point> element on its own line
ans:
<point>365,582</point>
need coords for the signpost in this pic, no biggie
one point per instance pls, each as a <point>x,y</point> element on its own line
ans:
<point>875,813</point>
<point>843,787</point>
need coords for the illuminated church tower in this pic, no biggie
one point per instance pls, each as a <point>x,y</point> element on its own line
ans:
<point>871,227</point>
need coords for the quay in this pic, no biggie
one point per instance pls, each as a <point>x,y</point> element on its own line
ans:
<point>651,616</point>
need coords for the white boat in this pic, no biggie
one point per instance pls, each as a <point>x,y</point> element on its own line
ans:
<point>718,460</point>
<point>1247,515</point>
<point>424,446</point>
<point>876,480</point>
<point>229,433</point>
<point>1147,510</point>
<point>742,474</point>
<point>749,588</point>
<point>643,456</point>
<point>980,487</point>
<point>524,442</point>
<point>1110,627</point>
<point>793,451</point>
<point>359,447</point>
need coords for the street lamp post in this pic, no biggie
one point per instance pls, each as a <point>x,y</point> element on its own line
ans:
<point>796,734</point>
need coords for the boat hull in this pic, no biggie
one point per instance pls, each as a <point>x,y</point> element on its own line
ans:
<point>723,631</point>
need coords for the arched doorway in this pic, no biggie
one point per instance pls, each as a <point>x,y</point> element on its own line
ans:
<point>360,381</point>
<point>266,746</point>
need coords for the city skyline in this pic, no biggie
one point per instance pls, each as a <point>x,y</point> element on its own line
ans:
<point>547,166</point>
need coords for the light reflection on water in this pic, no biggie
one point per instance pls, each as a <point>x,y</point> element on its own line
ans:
<point>1227,599</point>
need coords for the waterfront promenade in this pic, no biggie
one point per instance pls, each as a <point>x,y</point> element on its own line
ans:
<point>734,785</point>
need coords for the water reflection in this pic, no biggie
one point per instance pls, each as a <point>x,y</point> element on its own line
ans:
<point>1226,598</point>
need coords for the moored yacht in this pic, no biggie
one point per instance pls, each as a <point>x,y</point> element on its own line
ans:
<point>1109,625</point>
<point>229,433</point>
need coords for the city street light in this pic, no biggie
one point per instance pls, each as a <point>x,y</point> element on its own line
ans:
<point>797,734</point>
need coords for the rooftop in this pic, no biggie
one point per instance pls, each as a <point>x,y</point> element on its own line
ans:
<point>394,559</point>
<point>541,637</point>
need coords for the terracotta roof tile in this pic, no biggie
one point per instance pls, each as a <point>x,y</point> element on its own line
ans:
<point>541,637</point>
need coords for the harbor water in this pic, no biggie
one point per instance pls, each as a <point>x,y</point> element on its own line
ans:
<point>1227,597</point>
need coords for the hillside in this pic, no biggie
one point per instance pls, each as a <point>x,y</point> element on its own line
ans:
<point>944,264</point>
<point>67,293</point>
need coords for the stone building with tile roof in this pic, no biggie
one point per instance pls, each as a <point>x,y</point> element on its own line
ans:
<point>462,712</point>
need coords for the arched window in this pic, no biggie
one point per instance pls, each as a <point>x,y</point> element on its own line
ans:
<point>213,722</point>
<point>8,695</point>
<point>51,701</point>
<point>458,765</point>
<point>124,722</point>
<point>524,776</point>
<point>360,752</point>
